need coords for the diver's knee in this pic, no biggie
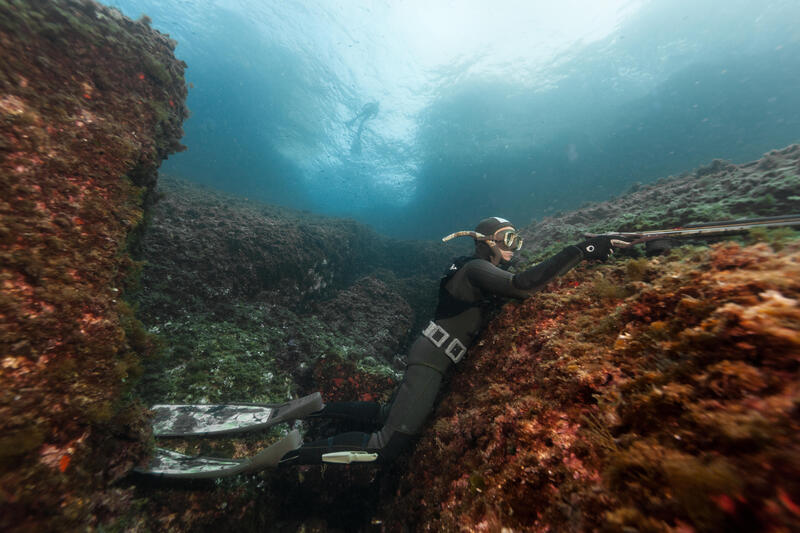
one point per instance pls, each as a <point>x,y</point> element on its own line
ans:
<point>390,449</point>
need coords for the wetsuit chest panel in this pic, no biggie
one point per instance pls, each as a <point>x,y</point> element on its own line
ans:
<point>460,288</point>
<point>456,293</point>
<point>462,311</point>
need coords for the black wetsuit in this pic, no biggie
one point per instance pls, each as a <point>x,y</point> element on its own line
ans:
<point>468,293</point>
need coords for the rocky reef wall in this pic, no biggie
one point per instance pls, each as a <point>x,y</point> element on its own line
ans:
<point>90,104</point>
<point>646,394</point>
<point>257,302</point>
<point>205,248</point>
<point>649,394</point>
<point>717,191</point>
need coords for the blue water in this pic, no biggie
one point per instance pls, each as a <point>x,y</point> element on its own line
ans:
<point>513,108</point>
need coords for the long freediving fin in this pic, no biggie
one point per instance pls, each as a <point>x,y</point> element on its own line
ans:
<point>195,420</point>
<point>171,464</point>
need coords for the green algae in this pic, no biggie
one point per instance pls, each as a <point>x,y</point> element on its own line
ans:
<point>607,289</point>
<point>19,442</point>
<point>156,70</point>
<point>211,360</point>
<point>244,354</point>
<point>776,238</point>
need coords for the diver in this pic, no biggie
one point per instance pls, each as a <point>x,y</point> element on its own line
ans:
<point>470,291</point>
<point>367,112</point>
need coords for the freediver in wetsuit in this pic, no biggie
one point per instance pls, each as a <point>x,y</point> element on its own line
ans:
<point>468,295</point>
<point>367,112</point>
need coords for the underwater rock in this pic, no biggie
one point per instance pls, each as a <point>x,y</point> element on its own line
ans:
<point>719,191</point>
<point>247,297</point>
<point>668,405</point>
<point>376,318</point>
<point>90,104</point>
<point>204,248</point>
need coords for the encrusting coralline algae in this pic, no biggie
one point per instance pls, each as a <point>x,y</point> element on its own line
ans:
<point>90,104</point>
<point>668,405</point>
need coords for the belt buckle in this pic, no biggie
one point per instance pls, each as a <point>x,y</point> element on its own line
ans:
<point>456,350</point>
<point>432,331</point>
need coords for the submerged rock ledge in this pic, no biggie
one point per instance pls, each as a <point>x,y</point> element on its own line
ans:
<point>90,104</point>
<point>718,191</point>
<point>643,395</point>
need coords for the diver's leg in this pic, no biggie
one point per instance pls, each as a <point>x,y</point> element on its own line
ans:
<point>372,412</point>
<point>409,410</point>
<point>311,453</point>
<point>360,412</point>
<point>414,400</point>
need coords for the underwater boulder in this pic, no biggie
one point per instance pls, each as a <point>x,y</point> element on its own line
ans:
<point>374,316</point>
<point>645,394</point>
<point>718,191</point>
<point>90,104</point>
<point>204,249</point>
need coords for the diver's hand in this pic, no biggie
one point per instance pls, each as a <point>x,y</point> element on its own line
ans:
<point>596,248</point>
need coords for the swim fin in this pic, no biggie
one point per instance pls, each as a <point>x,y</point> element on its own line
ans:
<point>196,420</point>
<point>171,464</point>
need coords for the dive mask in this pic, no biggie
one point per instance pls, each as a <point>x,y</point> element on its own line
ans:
<point>509,240</point>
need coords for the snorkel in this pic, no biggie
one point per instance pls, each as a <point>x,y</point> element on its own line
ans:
<point>511,239</point>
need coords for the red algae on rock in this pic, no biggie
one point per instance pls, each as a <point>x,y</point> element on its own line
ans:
<point>668,405</point>
<point>81,137</point>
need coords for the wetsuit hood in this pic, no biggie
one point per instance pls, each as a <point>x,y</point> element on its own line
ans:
<point>489,226</point>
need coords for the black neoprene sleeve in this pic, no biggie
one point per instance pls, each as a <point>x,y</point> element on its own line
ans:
<point>548,269</point>
<point>493,279</point>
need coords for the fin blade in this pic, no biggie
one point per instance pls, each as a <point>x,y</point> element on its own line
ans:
<point>187,420</point>
<point>171,464</point>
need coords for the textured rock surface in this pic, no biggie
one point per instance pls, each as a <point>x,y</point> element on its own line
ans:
<point>375,318</point>
<point>719,191</point>
<point>90,103</point>
<point>248,298</point>
<point>646,394</point>
<point>203,248</point>
<point>249,308</point>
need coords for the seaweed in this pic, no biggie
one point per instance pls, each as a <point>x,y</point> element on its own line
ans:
<point>71,347</point>
<point>669,408</point>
